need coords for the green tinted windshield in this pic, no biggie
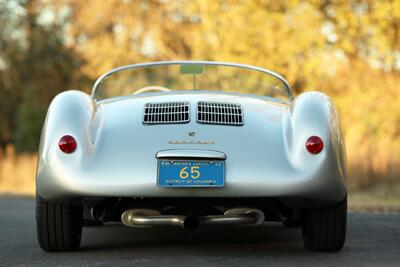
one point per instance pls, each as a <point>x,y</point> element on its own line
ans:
<point>209,76</point>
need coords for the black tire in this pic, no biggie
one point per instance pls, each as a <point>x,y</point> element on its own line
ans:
<point>59,226</point>
<point>324,229</point>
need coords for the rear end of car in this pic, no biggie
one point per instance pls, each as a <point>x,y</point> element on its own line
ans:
<point>189,159</point>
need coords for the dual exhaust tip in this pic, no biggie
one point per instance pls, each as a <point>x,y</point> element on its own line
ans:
<point>149,218</point>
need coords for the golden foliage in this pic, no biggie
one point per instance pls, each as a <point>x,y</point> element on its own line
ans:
<point>369,104</point>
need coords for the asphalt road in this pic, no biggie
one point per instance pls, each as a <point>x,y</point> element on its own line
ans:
<point>372,240</point>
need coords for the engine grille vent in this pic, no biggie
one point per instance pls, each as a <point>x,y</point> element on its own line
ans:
<point>219,113</point>
<point>166,113</point>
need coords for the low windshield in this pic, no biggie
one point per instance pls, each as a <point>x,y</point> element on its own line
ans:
<point>209,76</point>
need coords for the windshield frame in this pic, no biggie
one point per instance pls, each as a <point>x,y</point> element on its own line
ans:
<point>188,62</point>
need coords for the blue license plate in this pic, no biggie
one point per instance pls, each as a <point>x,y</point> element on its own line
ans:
<point>185,173</point>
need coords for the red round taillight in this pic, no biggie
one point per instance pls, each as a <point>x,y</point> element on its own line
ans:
<point>67,144</point>
<point>314,144</point>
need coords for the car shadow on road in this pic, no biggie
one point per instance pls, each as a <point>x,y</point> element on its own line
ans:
<point>206,240</point>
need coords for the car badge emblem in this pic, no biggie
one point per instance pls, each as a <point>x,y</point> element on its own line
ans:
<point>191,134</point>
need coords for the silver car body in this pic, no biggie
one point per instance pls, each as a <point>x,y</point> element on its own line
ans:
<point>117,155</point>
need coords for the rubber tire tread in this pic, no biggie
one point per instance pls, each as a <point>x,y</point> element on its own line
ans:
<point>324,229</point>
<point>59,226</point>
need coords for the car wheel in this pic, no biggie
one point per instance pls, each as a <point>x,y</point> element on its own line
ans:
<point>59,226</point>
<point>324,229</point>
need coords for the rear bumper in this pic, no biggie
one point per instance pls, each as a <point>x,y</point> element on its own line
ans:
<point>325,184</point>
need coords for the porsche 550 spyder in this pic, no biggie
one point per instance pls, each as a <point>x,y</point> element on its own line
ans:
<point>191,143</point>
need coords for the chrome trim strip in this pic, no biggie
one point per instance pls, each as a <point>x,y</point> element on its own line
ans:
<point>180,62</point>
<point>190,153</point>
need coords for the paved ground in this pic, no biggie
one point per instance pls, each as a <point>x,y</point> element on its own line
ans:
<point>373,240</point>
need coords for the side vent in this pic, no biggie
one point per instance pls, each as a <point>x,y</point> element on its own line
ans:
<point>166,113</point>
<point>219,113</point>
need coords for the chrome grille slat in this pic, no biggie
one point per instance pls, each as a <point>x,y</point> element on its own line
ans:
<point>166,113</point>
<point>219,113</point>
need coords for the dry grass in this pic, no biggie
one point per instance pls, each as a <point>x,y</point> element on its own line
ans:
<point>17,173</point>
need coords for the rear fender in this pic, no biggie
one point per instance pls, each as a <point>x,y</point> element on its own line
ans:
<point>70,113</point>
<point>314,113</point>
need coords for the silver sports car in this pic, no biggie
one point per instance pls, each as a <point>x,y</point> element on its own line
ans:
<point>191,143</point>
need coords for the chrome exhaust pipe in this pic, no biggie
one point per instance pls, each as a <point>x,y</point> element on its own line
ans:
<point>148,218</point>
<point>236,216</point>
